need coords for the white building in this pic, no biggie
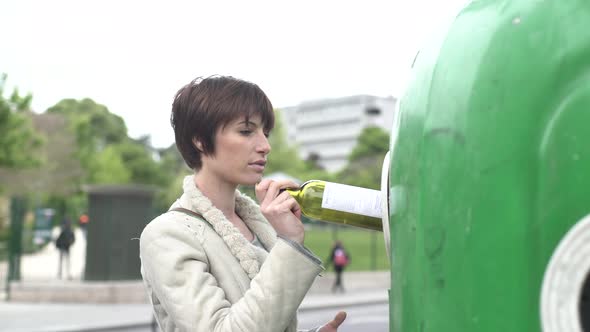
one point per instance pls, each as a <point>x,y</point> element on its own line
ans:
<point>328,129</point>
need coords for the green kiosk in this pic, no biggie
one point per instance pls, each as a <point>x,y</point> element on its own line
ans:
<point>489,174</point>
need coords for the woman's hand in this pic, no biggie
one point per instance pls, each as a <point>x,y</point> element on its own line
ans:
<point>332,326</point>
<point>281,209</point>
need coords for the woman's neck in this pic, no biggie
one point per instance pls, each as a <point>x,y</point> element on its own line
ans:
<point>221,194</point>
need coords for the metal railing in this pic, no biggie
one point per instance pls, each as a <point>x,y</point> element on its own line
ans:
<point>3,271</point>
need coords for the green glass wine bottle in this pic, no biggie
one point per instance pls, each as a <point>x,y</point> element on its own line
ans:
<point>340,204</point>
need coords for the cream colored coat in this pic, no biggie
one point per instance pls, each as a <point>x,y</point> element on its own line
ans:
<point>207,277</point>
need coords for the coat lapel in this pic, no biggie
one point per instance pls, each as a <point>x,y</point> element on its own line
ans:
<point>238,245</point>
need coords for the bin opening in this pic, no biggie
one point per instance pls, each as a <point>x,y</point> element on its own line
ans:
<point>585,304</point>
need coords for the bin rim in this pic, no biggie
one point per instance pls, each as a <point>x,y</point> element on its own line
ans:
<point>119,189</point>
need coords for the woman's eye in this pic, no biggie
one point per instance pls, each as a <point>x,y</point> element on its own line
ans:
<point>245,132</point>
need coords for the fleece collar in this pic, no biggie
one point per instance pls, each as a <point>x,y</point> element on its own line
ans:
<point>247,209</point>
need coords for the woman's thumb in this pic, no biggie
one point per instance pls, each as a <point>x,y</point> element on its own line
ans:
<point>338,319</point>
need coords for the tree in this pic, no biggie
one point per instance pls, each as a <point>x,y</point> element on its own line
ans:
<point>109,168</point>
<point>100,126</point>
<point>95,129</point>
<point>372,141</point>
<point>138,159</point>
<point>18,141</point>
<point>366,159</point>
<point>170,193</point>
<point>174,169</point>
<point>93,126</point>
<point>171,160</point>
<point>61,171</point>
<point>98,134</point>
<point>283,157</point>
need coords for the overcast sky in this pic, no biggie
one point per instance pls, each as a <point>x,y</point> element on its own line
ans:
<point>132,56</point>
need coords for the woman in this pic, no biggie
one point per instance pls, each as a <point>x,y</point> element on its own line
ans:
<point>217,261</point>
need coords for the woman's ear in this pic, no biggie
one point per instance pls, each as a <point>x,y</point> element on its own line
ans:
<point>198,144</point>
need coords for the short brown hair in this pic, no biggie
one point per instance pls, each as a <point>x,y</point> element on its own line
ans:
<point>206,104</point>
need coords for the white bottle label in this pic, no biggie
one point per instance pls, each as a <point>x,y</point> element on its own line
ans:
<point>351,199</point>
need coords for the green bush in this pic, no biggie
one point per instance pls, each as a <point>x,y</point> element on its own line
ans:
<point>4,234</point>
<point>366,248</point>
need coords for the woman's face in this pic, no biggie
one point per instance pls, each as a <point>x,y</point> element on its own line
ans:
<point>241,148</point>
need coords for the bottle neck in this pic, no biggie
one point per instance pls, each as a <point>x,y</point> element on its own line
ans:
<point>294,192</point>
<point>297,192</point>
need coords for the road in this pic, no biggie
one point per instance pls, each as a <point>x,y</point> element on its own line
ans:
<point>374,318</point>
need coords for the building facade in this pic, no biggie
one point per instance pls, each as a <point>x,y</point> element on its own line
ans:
<point>327,130</point>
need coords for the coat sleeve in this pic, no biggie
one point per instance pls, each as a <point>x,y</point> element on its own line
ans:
<point>175,265</point>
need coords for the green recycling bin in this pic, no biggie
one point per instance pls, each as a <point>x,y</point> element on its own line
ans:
<point>489,176</point>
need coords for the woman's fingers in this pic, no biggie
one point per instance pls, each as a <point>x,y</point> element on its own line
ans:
<point>271,193</point>
<point>335,323</point>
<point>281,210</point>
<point>267,190</point>
<point>261,189</point>
<point>289,184</point>
<point>289,203</point>
<point>283,203</point>
<point>338,319</point>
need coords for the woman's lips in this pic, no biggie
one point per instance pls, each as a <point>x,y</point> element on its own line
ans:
<point>258,166</point>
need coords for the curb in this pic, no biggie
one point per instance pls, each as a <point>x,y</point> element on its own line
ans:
<point>337,301</point>
<point>144,323</point>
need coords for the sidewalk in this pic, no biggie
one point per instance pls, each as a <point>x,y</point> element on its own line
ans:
<point>42,265</point>
<point>61,317</point>
<point>39,273</point>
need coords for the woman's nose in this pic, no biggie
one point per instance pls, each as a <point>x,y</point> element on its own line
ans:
<point>263,145</point>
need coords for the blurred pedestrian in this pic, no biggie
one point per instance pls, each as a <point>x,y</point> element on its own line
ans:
<point>340,259</point>
<point>217,261</point>
<point>63,243</point>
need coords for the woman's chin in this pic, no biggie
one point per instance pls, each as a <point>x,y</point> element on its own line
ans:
<point>251,181</point>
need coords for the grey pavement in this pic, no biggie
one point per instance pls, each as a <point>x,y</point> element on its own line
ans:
<point>70,317</point>
<point>87,311</point>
